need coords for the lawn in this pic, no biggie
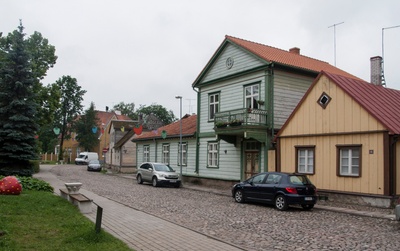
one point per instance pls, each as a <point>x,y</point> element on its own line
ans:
<point>38,220</point>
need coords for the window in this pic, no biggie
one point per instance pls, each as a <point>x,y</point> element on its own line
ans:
<point>212,154</point>
<point>184,154</point>
<point>324,100</point>
<point>146,153</point>
<point>349,160</point>
<point>213,101</point>
<point>273,179</point>
<point>258,179</point>
<point>305,159</point>
<point>165,154</point>
<point>251,93</point>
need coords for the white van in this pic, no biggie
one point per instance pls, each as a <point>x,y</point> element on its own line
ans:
<point>85,157</point>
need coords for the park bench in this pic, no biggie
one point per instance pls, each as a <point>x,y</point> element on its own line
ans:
<point>73,195</point>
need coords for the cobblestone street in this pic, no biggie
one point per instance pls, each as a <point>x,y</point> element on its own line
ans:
<point>250,226</point>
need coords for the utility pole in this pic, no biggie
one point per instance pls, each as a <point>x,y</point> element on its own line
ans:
<point>383,56</point>
<point>334,38</point>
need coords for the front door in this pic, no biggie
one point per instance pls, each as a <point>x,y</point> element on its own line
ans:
<point>252,166</point>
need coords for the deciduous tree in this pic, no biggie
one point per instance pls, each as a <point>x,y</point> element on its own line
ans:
<point>86,129</point>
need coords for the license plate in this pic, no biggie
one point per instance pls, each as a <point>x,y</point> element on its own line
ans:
<point>308,198</point>
<point>172,181</point>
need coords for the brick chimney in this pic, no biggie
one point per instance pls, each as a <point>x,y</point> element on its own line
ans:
<point>295,50</point>
<point>376,70</point>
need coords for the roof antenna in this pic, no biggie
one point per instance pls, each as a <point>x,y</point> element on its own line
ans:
<point>334,38</point>
<point>383,76</point>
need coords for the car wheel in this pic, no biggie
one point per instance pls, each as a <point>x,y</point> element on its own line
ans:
<point>280,203</point>
<point>155,182</point>
<point>307,206</point>
<point>239,197</point>
<point>139,179</point>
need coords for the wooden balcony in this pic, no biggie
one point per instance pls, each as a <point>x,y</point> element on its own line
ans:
<point>248,123</point>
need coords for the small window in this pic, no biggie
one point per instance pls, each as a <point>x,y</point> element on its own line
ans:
<point>165,154</point>
<point>212,154</point>
<point>184,154</point>
<point>305,160</point>
<point>146,153</point>
<point>213,102</point>
<point>349,161</point>
<point>324,100</point>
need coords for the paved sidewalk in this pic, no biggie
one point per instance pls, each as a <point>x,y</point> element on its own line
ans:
<point>139,230</point>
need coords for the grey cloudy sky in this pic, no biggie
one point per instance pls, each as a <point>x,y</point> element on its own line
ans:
<point>150,51</point>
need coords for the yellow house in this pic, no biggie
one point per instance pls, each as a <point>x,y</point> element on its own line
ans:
<point>71,146</point>
<point>344,135</point>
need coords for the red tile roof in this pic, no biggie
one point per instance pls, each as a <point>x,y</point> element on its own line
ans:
<point>382,103</point>
<point>283,57</point>
<point>189,127</point>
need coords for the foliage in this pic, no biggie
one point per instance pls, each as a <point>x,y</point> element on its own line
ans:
<point>41,57</point>
<point>21,221</point>
<point>127,109</point>
<point>221,123</point>
<point>18,108</point>
<point>85,136</point>
<point>167,117</point>
<point>30,183</point>
<point>71,106</point>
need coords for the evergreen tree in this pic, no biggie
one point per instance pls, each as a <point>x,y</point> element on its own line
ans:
<point>17,108</point>
<point>86,129</point>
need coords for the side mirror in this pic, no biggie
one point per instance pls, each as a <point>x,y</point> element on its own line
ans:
<point>150,169</point>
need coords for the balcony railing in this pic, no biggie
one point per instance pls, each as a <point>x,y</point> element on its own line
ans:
<point>239,117</point>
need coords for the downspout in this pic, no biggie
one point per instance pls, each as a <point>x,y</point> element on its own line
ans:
<point>269,96</point>
<point>196,170</point>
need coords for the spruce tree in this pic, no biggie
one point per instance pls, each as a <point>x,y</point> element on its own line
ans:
<point>18,108</point>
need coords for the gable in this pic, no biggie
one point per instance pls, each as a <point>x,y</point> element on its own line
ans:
<point>342,114</point>
<point>241,61</point>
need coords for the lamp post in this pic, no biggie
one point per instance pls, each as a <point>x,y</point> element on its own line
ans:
<point>180,135</point>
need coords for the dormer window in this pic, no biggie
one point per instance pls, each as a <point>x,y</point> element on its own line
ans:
<point>324,100</point>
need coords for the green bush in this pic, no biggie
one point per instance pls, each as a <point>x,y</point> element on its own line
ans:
<point>30,183</point>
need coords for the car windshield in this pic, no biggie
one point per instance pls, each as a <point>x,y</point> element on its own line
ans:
<point>81,156</point>
<point>94,162</point>
<point>162,167</point>
<point>299,180</point>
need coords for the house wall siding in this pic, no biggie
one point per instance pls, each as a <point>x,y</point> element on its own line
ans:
<point>242,61</point>
<point>289,89</point>
<point>325,177</point>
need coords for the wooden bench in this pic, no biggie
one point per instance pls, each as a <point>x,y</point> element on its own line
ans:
<point>84,203</point>
<point>81,201</point>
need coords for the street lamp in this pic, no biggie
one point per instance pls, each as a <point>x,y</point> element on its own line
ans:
<point>180,135</point>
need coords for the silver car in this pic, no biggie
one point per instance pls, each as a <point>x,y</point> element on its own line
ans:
<point>94,165</point>
<point>157,174</point>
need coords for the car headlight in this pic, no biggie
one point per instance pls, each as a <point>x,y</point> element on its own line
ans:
<point>162,175</point>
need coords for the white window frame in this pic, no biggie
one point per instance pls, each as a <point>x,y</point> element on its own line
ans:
<point>212,153</point>
<point>305,160</point>
<point>146,153</point>
<point>213,105</point>
<point>184,153</point>
<point>349,161</point>
<point>251,96</point>
<point>166,153</point>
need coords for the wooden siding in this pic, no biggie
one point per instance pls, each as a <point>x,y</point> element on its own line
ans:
<point>325,177</point>
<point>342,115</point>
<point>156,153</point>
<point>229,167</point>
<point>289,89</point>
<point>231,96</point>
<point>242,61</point>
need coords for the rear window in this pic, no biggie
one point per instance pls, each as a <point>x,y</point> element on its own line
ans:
<point>299,180</point>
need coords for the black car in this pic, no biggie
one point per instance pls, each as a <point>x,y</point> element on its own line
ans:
<point>279,189</point>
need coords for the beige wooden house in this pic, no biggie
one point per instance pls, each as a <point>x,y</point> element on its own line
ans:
<point>344,135</point>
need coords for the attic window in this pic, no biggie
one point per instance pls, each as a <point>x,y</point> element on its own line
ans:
<point>324,100</point>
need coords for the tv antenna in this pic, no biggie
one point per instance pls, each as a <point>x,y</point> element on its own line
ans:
<point>334,38</point>
<point>383,70</point>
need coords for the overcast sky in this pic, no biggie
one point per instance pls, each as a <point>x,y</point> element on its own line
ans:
<point>146,52</point>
